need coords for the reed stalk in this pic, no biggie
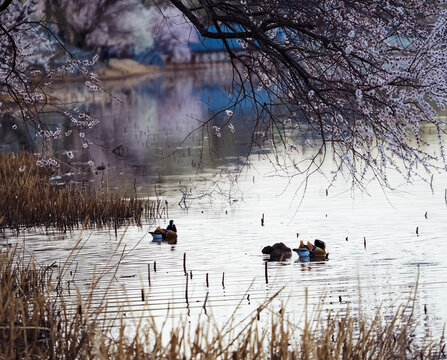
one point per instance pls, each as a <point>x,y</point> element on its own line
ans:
<point>29,199</point>
<point>38,321</point>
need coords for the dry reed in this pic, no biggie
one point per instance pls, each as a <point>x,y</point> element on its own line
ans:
<point>37,322</point>
<point>29,199</point>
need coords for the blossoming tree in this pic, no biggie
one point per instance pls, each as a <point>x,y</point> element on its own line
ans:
<point>34,52</point>
<point>30,62</point>
<point>364,76</point>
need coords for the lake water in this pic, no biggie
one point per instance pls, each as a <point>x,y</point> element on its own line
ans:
<point>219,224</point>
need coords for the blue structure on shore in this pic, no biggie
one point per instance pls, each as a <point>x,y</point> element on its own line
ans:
<point>211,44</point>
<point>206,50</point>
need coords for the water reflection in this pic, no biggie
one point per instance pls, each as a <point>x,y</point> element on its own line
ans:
<point>151,134</point>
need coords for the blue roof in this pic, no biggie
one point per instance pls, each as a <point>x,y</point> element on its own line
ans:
<point>209,44</point>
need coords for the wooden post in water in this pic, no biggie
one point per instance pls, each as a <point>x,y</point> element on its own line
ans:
<point>262,220</point>
<point>184,263</point>
<point>155,266</point>
<point>364,243</point>
<point>142,294</point>
<point>186,291</point>
<point>266,273</point>
<point>223,280</point>
<point>190,274</point>
<point>149,274</point>
<point>207,283</point>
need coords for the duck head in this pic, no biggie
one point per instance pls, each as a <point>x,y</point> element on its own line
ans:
<point>278,251</point>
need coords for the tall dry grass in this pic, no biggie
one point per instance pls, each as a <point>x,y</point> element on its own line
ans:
<point>38,321</point>
<point>29,199</point>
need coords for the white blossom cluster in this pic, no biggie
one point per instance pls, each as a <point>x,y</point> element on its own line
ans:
<point>28,58</point>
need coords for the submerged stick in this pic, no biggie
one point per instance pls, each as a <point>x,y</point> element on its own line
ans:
<point>149,274</point>
<point>364,243</point>
<point>262,220</point>
<point>186,291</point>
<point>204,303</point>
<point>266,274</point>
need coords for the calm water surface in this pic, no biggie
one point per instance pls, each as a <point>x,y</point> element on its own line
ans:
<point>223,234</point>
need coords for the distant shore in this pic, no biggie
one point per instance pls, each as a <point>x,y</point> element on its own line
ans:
<point>118,69</point>
<point>124,68</point>
<point>119,73</point>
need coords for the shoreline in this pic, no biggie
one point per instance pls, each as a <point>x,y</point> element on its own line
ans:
<point>119,69</point>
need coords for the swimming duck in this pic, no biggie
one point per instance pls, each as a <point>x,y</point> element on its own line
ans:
<point>169,234</point>
<point>278,251</point>
<point>316,251</point>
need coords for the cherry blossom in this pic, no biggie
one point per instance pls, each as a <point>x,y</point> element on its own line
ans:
<point>362,77</point>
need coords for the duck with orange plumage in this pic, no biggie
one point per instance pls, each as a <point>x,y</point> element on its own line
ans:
<point>312,252</point>
<point>169,234</point>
